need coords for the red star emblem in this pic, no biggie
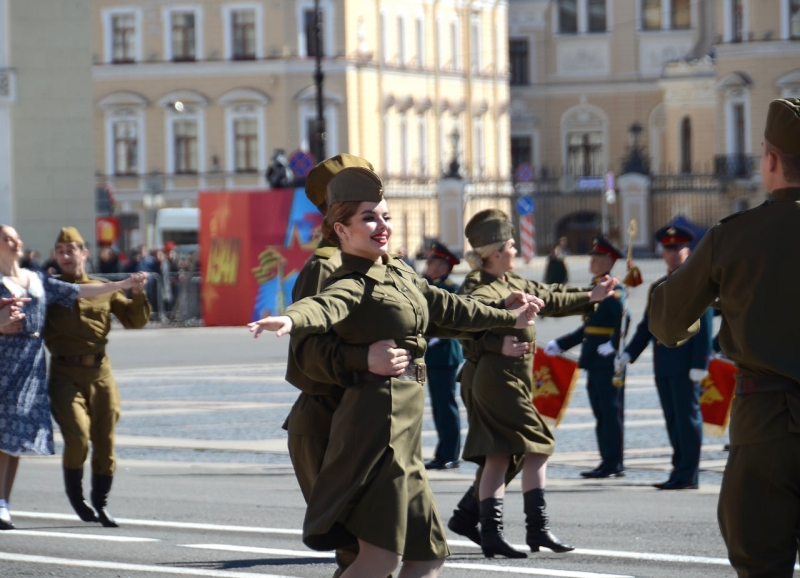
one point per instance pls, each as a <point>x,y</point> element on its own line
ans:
<point>296,254</point>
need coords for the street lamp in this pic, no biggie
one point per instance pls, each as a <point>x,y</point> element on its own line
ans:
<point>635,162</point>
<point>319,125</point>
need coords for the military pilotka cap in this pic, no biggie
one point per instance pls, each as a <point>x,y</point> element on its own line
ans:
<point>355,184</point>
<point>783,125</point>
<point>674,236</point>
<point>439,251</point>
<point>319,177</point>
<point>70,235</point>
<point>489,227</point>
<point>602,246</point>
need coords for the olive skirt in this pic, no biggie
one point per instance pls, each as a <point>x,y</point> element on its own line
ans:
<point>372,484</point>
<point>503,419</point>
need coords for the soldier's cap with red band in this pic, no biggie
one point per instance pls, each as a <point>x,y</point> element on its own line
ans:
<point>602,246</point>
<point>439,251</point>
<point>674,236</point>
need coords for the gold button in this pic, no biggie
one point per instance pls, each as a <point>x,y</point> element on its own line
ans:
<point>404,289</point>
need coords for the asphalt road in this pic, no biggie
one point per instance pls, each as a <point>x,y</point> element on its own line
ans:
<point>204,485</point>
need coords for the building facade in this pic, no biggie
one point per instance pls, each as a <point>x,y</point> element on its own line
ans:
<point>198,95</point>
<point>689,81</point>
<point>46,120</point>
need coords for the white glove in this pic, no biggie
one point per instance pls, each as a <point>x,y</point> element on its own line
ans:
<point>621,361</point>
<point>552,348</point>
<point>697,375</point>
<point>606,349</point>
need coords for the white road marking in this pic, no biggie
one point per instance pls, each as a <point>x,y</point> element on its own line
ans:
<point>269,551</point>
<point>180,570</point>
<point>103,538</point>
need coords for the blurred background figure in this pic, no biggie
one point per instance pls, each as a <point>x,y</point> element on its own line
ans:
<point>108,261</point>
<point>31,261</point>
<point>51,265</point>
<point>556,272</point>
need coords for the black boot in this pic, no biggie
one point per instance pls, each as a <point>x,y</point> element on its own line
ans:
<point>73,483</point>
<point>101,486</point>
<point>492,541</point>
<point>466,517</point>
<point>538,529</point>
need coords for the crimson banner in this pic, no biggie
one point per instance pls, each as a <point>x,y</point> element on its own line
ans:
<point>717,392</point>
<point>554,378</point>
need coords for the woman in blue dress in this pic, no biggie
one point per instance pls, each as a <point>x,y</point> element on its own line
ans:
<point>25,425</point>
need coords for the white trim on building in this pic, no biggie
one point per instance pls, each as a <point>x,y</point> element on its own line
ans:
<point>107,15</point>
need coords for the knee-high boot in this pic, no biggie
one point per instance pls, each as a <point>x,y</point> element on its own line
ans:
<point>466,517</point>
<point>537,526</point>
<point>73,484</point>
<point>101,486</point>
<point>492,540</point>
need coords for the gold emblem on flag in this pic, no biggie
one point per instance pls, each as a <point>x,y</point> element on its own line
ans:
<point>709,392</point>
<point>543,383</point>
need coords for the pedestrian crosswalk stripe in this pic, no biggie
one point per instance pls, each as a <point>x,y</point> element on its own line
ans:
<point>70,535</point>
<point>268,551</point>
<point>531,571</point>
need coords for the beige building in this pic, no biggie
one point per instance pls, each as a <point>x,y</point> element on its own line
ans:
<point>197,95</point>
<point>46,138</point>
<point>695,75</point>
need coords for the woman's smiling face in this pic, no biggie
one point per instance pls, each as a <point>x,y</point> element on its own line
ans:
<point>367,234</point>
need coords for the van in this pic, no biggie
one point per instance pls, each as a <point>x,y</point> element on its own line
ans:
<point>179,225</point>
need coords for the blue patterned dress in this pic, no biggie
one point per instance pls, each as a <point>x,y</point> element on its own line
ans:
<point>25,424</point>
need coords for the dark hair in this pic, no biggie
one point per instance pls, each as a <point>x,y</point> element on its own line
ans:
<point>790,163</point>
<point>338,213</point>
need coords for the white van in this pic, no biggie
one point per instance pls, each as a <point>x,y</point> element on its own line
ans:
<point>180,226</point>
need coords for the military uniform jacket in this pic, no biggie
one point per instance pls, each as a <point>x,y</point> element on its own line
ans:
<point>446,352</point>
<point>673,361</point>
<point>601,323</point>
<point>83,328</point>
<point>749,261</point>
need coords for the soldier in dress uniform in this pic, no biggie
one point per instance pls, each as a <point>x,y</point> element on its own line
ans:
<point>442,360</point>
<point>749,262</point>
<point>599,337</point>
<point>678,371</point>
<point>83,394</point>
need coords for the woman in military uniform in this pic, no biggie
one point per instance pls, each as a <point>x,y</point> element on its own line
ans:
<point>373,484</point>
<point>504,425</point>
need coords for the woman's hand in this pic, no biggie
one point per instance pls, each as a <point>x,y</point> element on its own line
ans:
<point>516,299</point>
<point>386,359</point>
<point>281,325</point>
<point>604,288</point>
<point>513,347</point>
<point>11,310</point>
<point>526,314</point>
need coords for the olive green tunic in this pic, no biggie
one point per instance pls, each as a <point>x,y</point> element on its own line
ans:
<point>84,399</point>
<point>502,417</point>
<point>373,484</point>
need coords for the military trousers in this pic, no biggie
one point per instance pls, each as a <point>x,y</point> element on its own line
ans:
<point>759,507</point>
<point>86,406</point>
<point>680,400</point>
<point>608,406</point>
<point>446,415</point>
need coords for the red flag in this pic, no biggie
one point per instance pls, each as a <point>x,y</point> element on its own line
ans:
<point>554,378</point>
<point>717,392</point>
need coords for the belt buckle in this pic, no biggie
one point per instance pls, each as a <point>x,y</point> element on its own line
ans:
<point>422,373</point>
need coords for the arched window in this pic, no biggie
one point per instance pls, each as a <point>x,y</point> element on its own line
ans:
<point>686,145</point>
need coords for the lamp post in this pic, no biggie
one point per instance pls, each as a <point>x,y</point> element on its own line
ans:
<point>318,147</point>
<point>452,172</point>
<point>608,198</point>
<point>634,161</point>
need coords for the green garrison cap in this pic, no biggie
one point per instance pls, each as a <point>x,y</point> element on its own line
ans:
<point>70,235</point>
<point>319,177</point>
<point>355,184</point>
<point>489,227</point>
<point>783,125</point>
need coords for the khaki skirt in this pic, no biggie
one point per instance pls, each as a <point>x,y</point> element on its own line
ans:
<point>372,484</point>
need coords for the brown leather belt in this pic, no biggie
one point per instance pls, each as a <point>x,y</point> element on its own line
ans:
<point>81,360</point>
<point>766,384</point>
<point>413,372</point>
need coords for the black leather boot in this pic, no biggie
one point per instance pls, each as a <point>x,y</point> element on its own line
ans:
<point>466,517</point>
<point>73,483</point>
<point>101,486</point>
<point>537,526</point>
<point>492,541</point>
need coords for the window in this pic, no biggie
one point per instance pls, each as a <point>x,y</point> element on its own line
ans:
<point>387,169</point>
<point>651,14</point>
<point>739,129</point>
<point>422,144</point>
<point>401,41</point>
<point>568,16</point>
<point>584,153</point>
<point>439,51</point>
<point>597,15</point>
<point>310,26</point>
<point>686,146</point>
<point>478,147</point>
<point>126,148</point>
<point>475,46</point>
<point>420,26</point>
<point>681,14</point>
<point>123,38</point>
<point>794,19</point>
<point>521,151</point>
<point>243,28</point>
<point>183,36</point>
<point>245,135</point>
<point>186,148</point>
<point>383,40</point>
<point>454,64</point>
<point>404,165</point>
<point>518,61</point>
<point>737,20</point>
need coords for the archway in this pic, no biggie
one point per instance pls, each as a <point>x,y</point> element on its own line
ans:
<point>580,228</point>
